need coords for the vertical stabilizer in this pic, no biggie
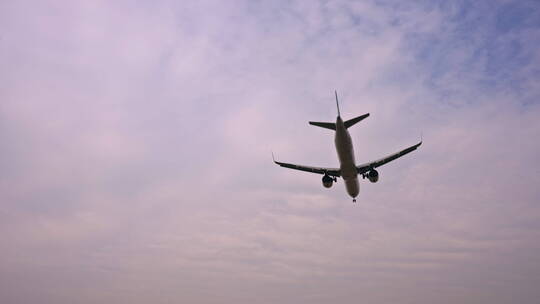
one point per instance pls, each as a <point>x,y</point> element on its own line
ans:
<point>337,104</point>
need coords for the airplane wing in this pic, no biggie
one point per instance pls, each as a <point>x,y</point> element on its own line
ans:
<point>319,170</point>
<point>374,164</point>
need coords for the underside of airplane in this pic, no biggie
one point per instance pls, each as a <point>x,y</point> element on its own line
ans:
<point>348,169</point>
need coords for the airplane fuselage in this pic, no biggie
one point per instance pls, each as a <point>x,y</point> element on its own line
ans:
<point>347,164</point>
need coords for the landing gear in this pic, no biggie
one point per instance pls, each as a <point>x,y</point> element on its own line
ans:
<point>354,200</point>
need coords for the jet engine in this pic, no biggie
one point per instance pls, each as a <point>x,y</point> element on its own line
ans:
<point>327,181</point>
<point>373,175</point>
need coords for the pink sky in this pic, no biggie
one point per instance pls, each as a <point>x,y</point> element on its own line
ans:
<point>136,167</point>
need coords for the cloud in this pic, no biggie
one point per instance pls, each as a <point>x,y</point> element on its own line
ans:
<point>136,161</point>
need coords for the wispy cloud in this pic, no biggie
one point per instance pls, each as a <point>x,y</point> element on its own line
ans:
<point>136,165</point>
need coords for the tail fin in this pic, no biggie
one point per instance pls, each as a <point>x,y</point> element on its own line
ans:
<point>351,122</point>
<point>326,125</point>
<point>337,104</point>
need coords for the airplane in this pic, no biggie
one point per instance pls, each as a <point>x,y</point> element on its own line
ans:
<point>348,169</point>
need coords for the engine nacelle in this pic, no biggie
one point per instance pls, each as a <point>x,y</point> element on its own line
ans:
<point>373,175</point>
<point>327,181</point>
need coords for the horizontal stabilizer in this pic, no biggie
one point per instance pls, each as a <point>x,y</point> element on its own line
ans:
<point>327,125</point>
<point>351,122</point>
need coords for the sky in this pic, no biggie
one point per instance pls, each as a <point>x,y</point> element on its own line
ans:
<point>135,163</point>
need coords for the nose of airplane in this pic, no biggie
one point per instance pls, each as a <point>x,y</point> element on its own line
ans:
<point>354,193</point>
<point>353,187</point>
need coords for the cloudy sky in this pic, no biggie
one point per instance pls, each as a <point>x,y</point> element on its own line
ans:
<point>135,161</point>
